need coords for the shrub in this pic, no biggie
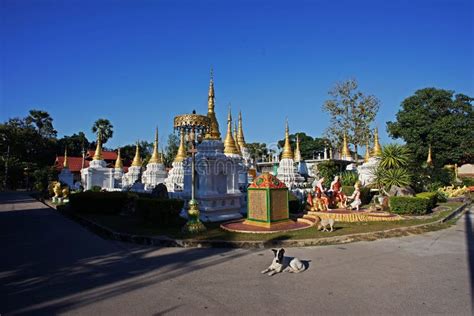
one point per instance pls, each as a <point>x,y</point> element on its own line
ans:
<point>98,202</point>
<point>349,178</point>
<point>467,181</point>
<point>95,188</point>
<point>160,212</point>
<point>431,196</point>
<point>409,205</point>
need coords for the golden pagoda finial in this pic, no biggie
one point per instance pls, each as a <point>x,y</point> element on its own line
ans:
<point>287,151</point>
<point>137,161</point>
<point>240,133</point>
<point>377,151</point>
<point>367,152</point>
<point>118,162</point>
<point>213,132</point>
<point>229,143</point>
<point>235,139</point>
<point>297,149</point>
<point>65,164</point>
<point>98,149</point>
<point>181,155</point>
<point>155,158</point>
<point>345,153</point>
<point>429,160</point>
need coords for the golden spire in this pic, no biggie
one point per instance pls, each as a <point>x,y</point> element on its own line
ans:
<point>118,162</point>
<point>65,164</point>
<point>297,150</point>
<point>229,143</point>
<point>98,149</point>
<point>213,132</point>
<point>345,153</point>
<point>367,152</point>
<point>429,160</point>
<point>181,155</point>
<point>377,151</point>
<point>155,158</point>
<point>237,145</point>
<point>137,161</point>
<point>240,133</point>
<point>287,151</point>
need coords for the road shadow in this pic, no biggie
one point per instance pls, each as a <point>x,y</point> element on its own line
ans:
<point>51,265</point>
<point>470,252</point>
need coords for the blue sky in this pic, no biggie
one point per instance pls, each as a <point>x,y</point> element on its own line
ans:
<point>140,63</point>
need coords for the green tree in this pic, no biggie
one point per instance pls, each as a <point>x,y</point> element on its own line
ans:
<point>43,123</point>
<point>440,118</point>
<point>105,128</point>
<point>309,146</point>
<point>128,152</point>
<point>257,150</point>
<point>171,150</point>
<point>394,168</point>
<point>74,143</point>
<point>351,111</point>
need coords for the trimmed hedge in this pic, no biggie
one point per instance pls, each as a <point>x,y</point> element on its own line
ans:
<point>160,212</point>
<point>407,205</point>
<point>98,202</point>
<point>431,196</point>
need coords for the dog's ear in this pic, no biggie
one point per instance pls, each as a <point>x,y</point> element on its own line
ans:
<point>274,251</point>
<point>282,251</point>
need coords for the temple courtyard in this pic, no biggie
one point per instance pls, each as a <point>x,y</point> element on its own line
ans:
<point>51,265</point>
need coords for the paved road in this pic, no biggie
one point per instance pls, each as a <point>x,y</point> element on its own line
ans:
<point>51,265</point>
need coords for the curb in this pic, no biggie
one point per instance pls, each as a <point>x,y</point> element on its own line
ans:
<point>164,241</point>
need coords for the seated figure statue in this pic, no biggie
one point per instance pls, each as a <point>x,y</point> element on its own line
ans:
<point>355,197</point>
<point>317,202</point>
<point>338,198</point>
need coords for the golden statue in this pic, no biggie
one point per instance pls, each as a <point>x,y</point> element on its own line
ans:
<point>57,189</point>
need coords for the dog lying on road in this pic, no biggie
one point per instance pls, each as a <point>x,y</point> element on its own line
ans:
<point>325,223</point>
<point>281,263</point>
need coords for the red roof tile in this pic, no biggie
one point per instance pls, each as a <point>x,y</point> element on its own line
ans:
<point>75,163</point>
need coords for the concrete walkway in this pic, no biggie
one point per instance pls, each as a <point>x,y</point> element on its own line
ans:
<point>51,265</point>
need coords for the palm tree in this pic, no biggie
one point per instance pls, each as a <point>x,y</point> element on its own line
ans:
<point>394,156</point>
<point>392,169</point>
<point>105,128</point>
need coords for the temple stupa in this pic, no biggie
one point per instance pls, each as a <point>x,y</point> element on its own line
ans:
<point>134,171</point>
<point>97,174</point>
<point>155,172</point>
<point>217,171</point>
<point>287,172</point>
<point>118,170</point>
<point>371,161</point>
<point>175,180</point>
<point>66,176</point>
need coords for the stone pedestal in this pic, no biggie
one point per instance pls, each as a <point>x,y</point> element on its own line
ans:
<point>217,182</point>
<point>65,176</point>
<point>288,174</point>
<point>154,174</point>
<point>97,174</point>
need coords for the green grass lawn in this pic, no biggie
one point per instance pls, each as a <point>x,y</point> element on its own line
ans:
<point>134,225</point>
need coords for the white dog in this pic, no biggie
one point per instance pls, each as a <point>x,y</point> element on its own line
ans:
<point>281,263</point>
<point>325,223</point>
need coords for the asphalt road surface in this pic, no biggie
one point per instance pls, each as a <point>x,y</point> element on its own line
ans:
<point>51,265</point>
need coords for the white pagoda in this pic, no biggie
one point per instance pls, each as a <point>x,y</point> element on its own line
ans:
<point>155,172</point>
